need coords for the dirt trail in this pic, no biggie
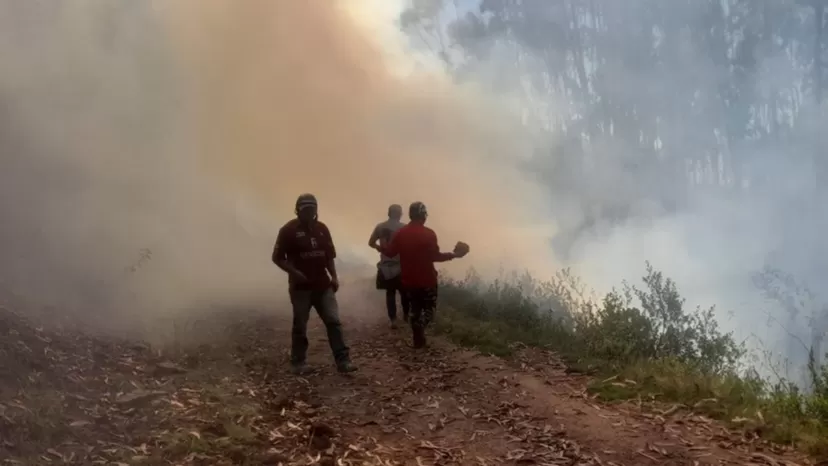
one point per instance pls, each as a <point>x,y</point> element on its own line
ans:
<point>451,405</point>
<point>68,399</point>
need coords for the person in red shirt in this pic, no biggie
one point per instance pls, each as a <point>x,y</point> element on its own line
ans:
<point>417,247</point>
<point>305,250</point>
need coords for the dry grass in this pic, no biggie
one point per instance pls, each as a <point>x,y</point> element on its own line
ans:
<point>616,342</point>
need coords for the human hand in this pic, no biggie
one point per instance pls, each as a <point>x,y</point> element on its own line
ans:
<point>335,284</point>
<point>461,249</point>
<point>298,277</point>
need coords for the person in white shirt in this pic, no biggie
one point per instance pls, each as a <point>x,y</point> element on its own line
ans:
<point>388,268</point>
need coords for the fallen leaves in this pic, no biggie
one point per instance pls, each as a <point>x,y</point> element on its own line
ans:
<point>168,368</point>
<point>138,397</point>
<point>69,398</point>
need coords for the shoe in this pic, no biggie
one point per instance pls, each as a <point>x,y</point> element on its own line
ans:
<point>299,369</point>
<point>393,325</point>
<point>346,367</point>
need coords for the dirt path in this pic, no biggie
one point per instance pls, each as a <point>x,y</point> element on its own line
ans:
<point>232,401</point>
<point>450,406</point>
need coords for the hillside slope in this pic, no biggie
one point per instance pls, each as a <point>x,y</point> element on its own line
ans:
<point>66,398</point>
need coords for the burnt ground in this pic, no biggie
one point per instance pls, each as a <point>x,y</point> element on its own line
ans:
<point>68,398</point>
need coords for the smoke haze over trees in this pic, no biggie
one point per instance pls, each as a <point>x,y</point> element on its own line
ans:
<point>689,133</point>
<point>151,150</point>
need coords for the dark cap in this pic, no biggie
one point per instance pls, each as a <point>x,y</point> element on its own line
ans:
<point>305,200</point>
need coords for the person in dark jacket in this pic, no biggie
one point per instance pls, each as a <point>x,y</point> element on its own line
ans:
<point>417,246</point>
<point>305,250</point>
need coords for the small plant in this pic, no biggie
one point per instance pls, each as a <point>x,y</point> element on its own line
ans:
<point>643,334</point>
<point>144,256</point>
<point>804,311</point>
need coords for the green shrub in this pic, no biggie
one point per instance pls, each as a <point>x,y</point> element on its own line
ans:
<point>557,314</point>
<point>659,327</point>
<point>644,340</point>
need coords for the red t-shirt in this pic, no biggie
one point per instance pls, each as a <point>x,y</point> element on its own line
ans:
<point>416,244</point>
<point>308,248</point>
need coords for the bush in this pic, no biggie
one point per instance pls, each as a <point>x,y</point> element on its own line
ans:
<point>491,316</point>
<point>645,335</point>
<point>659,328</point>
<point>557,315</point>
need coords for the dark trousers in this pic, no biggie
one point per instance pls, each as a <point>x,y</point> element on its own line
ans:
<point>392,287</point>
<point>423,302</point>
<point>391,303</point>
<point>324,301</point>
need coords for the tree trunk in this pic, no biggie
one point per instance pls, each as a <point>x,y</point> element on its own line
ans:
<point>819,13</point>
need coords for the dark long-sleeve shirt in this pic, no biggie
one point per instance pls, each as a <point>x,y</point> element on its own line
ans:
<point>309,249</point>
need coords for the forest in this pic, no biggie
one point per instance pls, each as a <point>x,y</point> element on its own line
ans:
<point>648,110</point>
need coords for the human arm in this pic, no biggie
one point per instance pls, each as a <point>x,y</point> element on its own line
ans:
<point>280,255</point>
<point>390,247</point>
<point>434,250</point>
<point>460,250</point>
<point>375,236</point>
<point>330,254</point>
<point>444,256</point>
<point>334,276</point>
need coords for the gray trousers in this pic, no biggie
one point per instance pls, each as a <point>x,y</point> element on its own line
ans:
<point>324,301</point>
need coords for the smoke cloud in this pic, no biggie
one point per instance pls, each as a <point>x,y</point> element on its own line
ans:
<point>685,135</point>
<point>292,97</point>
<point>151,150</point>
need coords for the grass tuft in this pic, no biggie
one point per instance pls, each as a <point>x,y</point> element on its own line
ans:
<point>643,343</point>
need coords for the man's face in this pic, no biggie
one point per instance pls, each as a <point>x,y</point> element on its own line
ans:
<point>307,213</point>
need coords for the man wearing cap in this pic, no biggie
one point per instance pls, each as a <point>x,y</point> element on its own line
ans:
<point>388,268</point>
<point>417,247</point>
<point>305,250</point>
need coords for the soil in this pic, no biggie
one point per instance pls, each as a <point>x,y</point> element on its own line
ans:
<point>69,398</point>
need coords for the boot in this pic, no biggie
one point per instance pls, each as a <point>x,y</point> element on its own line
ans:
<point>345,367</point>
<point>300,369</point>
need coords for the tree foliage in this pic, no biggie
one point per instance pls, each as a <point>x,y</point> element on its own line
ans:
<point>657,103</point>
